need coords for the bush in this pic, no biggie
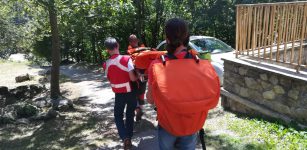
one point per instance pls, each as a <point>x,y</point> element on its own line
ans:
<point>42,48</point>
<point>27,110</point>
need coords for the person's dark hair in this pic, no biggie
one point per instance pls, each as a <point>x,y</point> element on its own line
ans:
<point>177,33</point>
<point>110,43</point>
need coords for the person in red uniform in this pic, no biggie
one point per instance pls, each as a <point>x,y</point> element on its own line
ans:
<point>133,44</point>
<point>119,70</point>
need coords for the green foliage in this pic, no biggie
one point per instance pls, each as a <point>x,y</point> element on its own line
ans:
<point>84,24</point>
<point>104,55</point>
<point>27,110</point>
<point>42,48</point>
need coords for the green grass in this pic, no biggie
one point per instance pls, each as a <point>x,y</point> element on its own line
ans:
<point>272,135</point>
<point>250,133</point>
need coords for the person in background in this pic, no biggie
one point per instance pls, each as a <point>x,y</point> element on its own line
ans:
<point>133,45</point>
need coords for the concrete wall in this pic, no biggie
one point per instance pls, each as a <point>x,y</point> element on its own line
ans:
<point>254,89</point>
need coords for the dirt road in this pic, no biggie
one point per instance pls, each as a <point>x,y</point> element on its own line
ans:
<point>98,97</point>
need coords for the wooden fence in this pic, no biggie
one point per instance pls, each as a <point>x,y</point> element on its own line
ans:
<point>273,31</point>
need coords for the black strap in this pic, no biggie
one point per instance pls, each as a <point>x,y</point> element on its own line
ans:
<point>172,56</point>
<point>202,138</point>
<point>188,55</point>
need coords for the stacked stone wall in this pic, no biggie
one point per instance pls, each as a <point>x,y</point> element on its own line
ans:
<point>280,93</point>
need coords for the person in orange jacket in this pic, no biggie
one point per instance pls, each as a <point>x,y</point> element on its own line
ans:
<point>133,44</point>
<point>183,89</point>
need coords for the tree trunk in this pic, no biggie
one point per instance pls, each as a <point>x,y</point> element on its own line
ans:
<point>94,52</point>
<point>55,68</point>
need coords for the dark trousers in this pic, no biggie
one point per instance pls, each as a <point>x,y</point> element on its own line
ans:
<point>125,129</point>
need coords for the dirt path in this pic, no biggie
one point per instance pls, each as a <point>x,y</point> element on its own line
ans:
<point>97,97</point>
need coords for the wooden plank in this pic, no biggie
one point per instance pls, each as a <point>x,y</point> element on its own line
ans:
<point>294,32</point>
<point>240,31</point>
<point>291,16</point>
<point>260,30</point>
<point>273,11</point>
<point>299,23</point>
<point>280,12</point>
<point>302,38</point>
<point>254,30</point>
<point>257,28</point>
<point>286,33</point>
<point>249,9</point>
<point>245,24</point>
<point>283,24</point>
<point>263,29</point>
<point>249,29</point>
<point>243,29</point>
<point>237,31</point>
<point>267,11</point>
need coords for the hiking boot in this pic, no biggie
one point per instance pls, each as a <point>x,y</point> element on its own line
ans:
<point>127,144</point>
<point>139,114</point>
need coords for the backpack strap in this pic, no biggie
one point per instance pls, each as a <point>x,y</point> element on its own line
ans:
<point>188,55</point>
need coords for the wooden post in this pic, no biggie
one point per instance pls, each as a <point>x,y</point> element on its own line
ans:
<point>237,31</point>
<point>254,30</point>
<point>250,9</point>
<point>260,30</point>
<point>286,32</point>
<point>302,38</point>
<point>294,32</point>
<point>244,28</point>
<point>272,29</point>
<point>281,9</point>
<point>266,30</point>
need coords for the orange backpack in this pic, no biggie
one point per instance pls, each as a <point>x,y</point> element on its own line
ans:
<point>143,59</point>
<point>184,90</point>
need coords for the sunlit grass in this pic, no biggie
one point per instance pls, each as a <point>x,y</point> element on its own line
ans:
<point>273,135</point>
<point>232,132</point>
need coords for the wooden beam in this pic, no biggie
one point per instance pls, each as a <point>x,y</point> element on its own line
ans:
<point>294,32</point>
<point>273,11</point>
<point>302,38</point>
<point>237,31</point>
<point>254,30</point>
<point>286,32</point>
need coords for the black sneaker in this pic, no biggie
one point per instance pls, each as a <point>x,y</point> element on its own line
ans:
<point>127,144</point>
<point>139,114</point>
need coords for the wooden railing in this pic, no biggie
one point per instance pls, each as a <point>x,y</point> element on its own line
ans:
<point>274,31</point>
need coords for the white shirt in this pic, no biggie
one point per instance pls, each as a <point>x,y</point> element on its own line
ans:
<point>130,65</point>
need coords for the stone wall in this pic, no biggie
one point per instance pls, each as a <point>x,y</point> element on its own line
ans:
<point>263,91</point>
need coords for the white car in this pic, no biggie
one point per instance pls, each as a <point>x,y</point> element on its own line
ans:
<point>208,45</point>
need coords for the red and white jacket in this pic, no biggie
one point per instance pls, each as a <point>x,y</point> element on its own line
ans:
<point>118,74</point>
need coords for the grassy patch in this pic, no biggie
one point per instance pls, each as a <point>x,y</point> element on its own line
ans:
<point>272,135</point>
<point>232,132</point>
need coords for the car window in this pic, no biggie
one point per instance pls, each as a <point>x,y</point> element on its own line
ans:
<point>162,47</point>
<point>210,44</point>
